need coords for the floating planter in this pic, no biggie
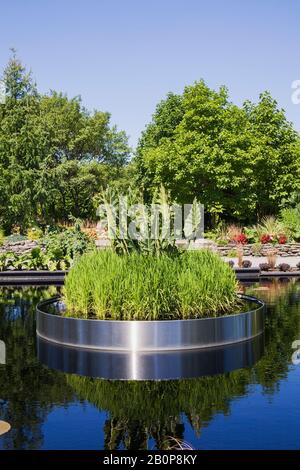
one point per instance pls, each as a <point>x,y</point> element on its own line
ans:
<point>153,335</point>
<point>149,317</point>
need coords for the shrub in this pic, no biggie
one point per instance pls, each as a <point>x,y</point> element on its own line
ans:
<point>246,263</point>
<point>232,253</point>
<point>282,239</point>
<point>137,287</point>
<point>90,232</point>
<point>34,233</point>
<point>256,249</point>
<point>222,242</point>
<point>241,238</point>
<point>251,234</point>
<point>69,244</point>
<point>291,221</point>
<point>59,251</point>
<point>266,238</point>
<point>271,230</point>
<point>27,261</point>
<point>233,231</point>
<point>284,267</point>
<point>265,267</point>
<point>211,235</point>
<point>270,226</point>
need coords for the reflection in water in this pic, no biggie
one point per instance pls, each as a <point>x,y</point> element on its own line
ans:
<point>150,365</point>
<point>140,411</point>
<point>28,391</point>
<point>136,414</point>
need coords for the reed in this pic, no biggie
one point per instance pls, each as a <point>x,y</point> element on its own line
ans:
<point>105,285</point>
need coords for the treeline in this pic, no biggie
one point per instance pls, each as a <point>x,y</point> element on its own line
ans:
<point>241,162</point>
<point>54,155</point>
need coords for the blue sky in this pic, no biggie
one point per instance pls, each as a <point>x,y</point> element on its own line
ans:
<point>124,56</point>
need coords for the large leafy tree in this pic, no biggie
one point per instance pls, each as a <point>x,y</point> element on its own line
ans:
<point>239,161</point>
<point>54,155</point>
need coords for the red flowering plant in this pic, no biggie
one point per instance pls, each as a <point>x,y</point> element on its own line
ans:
<point>266,238</point>
<point>271,230</point>
<point>282,239</point>
<point>241,238</point>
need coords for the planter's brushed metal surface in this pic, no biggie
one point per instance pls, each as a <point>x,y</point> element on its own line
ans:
<point>163,365</point>
<point>164,335</point>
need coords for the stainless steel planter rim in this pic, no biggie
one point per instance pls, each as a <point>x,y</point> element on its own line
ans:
<point>241,296</point>
<point>150,335</point>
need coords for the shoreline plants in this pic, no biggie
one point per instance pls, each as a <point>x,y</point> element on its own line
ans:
<point>105,285</point>
<point>56,250</point>
<point>270,230</point>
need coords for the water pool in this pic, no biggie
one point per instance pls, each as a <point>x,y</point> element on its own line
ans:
<point>256,407</point>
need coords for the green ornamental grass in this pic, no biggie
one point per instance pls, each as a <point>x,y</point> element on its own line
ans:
<point>196,284</point>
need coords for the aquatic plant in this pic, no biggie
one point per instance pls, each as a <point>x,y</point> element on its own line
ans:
<point>194,284</point>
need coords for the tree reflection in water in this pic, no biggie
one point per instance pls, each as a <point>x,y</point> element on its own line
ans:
<point>139,413</point>
<point>28,391</point>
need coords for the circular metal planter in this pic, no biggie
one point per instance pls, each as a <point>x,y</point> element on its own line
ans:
<point>148,336</point>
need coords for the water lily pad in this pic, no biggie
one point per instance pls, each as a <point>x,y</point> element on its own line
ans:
<point>4,427</point>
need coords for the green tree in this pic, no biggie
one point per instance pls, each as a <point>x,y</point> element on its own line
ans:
<point>238,161</point>
<point>275,151</point>
<point>54,155</point>
<point>18,82</point>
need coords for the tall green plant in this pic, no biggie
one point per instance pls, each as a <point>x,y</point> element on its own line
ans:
<point>161,242</point>
<point>155,224</point>
<point>138,287</point>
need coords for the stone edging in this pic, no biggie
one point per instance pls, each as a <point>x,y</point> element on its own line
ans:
<point>288,249</point>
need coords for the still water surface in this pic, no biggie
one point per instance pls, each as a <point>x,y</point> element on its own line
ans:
<point>255,407</point>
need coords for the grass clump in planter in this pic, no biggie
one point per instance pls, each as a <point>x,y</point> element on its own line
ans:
<point>104,285</point>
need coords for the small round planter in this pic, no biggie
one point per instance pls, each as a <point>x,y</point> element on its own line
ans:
<point>143,336</point>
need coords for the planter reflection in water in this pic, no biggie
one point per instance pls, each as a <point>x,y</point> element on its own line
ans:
<point>150,365</point>
<point>140,414</point>
<point>148,349</point>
